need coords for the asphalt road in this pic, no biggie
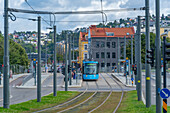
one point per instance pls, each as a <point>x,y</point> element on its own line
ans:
<point>19,95</point>
<point>153,88</point>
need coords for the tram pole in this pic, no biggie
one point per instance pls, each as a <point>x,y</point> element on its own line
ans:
<point>69,54</point>
<point>54,73</point>
<point>6,58</point>
<point>147,66</point>
<point>66,65</point>
<point>39,62</point>
<point>158,59</point>
<point>139,91</point>
<point>125,58</point>
<point>131,57</point>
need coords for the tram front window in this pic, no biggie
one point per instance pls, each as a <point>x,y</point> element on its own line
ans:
<point>90,69</point>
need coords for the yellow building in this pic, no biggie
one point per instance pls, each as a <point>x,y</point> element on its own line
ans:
<point>165,30</point>
<point>83,47</point>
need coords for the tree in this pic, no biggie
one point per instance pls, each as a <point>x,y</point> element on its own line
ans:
<point>17,54</point>
<point>143,47</point>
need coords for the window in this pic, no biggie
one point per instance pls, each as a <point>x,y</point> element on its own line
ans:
<point>121,44</point>
<point>102,65</point>
<point>113,55</point>
<point>85,56</point>
<point>97,55</point>
<point>108,44</point>
<point>113,44</point>
<point>113,64</point>
<point>102,55</point>
<point>108,55</point>
<point>108,64</point>
<point>102,44</point>
<point>85,47</point>
<point>97,44</point>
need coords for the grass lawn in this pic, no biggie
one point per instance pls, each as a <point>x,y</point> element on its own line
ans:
<point>130,104</point>
<point>46,101</point>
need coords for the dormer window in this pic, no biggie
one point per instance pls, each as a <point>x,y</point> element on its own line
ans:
<point>109,33</point>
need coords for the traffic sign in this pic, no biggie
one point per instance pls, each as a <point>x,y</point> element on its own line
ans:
<point>127,61</point>
<point>132,79</point>
<point>164,93</point>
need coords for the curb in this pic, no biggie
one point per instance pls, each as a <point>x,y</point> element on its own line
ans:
<point>13,80</point>
<point>118,79</point>
<point>31,87</point>
<point>143,99</point>
<point>73,86</point>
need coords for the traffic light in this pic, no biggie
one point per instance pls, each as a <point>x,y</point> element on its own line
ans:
<point>135,70</point>
<point>133,67</point>
<point>69,68</point>
<point>63,70</point>
<point>150,57</point>
<point>167,51</point>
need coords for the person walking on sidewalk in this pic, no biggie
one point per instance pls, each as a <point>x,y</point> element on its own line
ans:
<point>11,74</point>
<point>0,78</point>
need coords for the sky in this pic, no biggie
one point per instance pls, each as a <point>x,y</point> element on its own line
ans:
<point>74,5</point>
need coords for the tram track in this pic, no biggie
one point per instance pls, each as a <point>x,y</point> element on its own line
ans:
<point>88,101</point>
<point>43,110</point>
<point>97,87</point>
<point>107,96</point>
<point>121,94</point>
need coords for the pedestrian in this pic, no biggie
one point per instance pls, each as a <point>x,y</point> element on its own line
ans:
<point>0,78</point>
<point>11,74</point>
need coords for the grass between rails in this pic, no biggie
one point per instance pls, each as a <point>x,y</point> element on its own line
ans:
<point>130,104</point>
<point>46,102</point>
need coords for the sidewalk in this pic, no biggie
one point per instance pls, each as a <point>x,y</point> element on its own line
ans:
<point>122,79</point>
<point>76,83</point>
<point>14,78</point>
<point>31,82</point>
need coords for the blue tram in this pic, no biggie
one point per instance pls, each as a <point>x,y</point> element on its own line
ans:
<point>90,70</point>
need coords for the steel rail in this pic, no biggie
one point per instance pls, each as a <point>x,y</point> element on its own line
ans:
<point>106,97</point>
<point>64,102</point>
<point>121,95</point>
<point>81,102</point>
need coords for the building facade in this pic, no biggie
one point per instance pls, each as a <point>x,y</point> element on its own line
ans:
<point>83,47</point>
<point>104,45</point>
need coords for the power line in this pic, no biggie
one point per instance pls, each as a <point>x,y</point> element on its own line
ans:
<point>74,12</point>
<point>53,21</point>
<point>34,10</point>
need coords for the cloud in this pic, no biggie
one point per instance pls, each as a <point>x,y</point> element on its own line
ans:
<point>76,5</point>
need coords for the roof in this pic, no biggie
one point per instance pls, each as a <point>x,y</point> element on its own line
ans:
<point>116,32</point>
<point>82,36</point>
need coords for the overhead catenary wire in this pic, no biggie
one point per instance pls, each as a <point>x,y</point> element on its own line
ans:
<point>74,12</point>
<point>54,21</point>
<point>38,14</point>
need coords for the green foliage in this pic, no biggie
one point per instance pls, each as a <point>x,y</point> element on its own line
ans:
<point>17,54</point>
<point>130,104</point>
<point>46,102</point>
<point>143,47</point>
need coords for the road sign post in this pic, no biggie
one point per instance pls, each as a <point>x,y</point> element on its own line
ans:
<point>166,53</point>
